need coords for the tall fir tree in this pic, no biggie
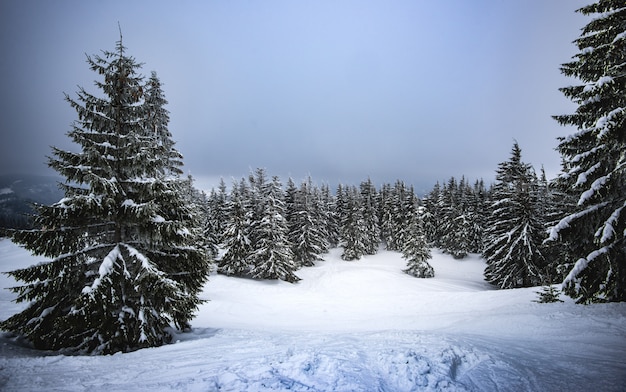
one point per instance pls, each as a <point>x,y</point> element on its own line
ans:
<point>477,212</point>
<point>330,219</point>
<point>415,250</point>
<point>594,159</point>
<point>206,235</point>
<point>456,230</point>
<point>236,235</point>
<point>156,126</point>
<point>217,215</point>
<point>397,205</point>
<point>124,265</point>
<point>353,234</point>
<point>514,232</point>
<point>369,210</point>
<point>307,233</point>
<point>271,254</point>
<point>431,217</point>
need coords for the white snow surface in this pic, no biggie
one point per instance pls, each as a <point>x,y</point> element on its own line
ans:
<point>349,326</point>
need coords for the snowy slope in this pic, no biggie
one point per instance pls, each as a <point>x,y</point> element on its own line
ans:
<point>351,326</point>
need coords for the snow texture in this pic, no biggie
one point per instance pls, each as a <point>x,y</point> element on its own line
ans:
<point>358,326</point>
<point>595,186</point>
<point>105,268</point>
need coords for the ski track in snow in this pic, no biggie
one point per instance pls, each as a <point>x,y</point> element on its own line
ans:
<point>349,326</point>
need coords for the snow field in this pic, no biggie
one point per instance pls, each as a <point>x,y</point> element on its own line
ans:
<point>350,326</point>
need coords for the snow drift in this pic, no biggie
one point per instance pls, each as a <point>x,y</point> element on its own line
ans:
<point>350,326</point>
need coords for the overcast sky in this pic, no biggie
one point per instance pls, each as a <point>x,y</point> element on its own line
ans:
<point>339,90</point>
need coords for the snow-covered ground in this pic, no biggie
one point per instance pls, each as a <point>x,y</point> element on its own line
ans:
<point>350,326</point>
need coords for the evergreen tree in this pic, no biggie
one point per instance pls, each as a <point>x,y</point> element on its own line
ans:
<point>397,206</point>
<point>455,224</point>
<point>235,239</point>
<point>431,218</point>
<point>206,236</point>
<point>477,212</point>
<point>292,216</point>
<point>561,203</point>
<point>353,233</point>
<point>121,242</point>
<point>416,249</point>
<point>548,293</point>
<point>514,233</point>
<point>329,217</point>
<point>307,235</point>
<point>156,126</point>
<point>271,254</point>
<point>370,217</point>
<point>217,215</point>
<point>386,207</point>
<point>323,215</point>
<point>594,166</point>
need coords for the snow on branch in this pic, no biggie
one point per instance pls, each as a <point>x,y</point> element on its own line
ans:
<point>565,222</point>
<point>105,268</point>
<point>577,158</point>
<point>608,230</point>
<point>605,122</point>
<point>145,263</point>
<point>595,186</point>
<point>599,83</point>
<point>582,177</point>
<point>619,36</point>
<point>606,14</point>
<point>569,138</point>
<point>43,315</point>
<point>582,263</point>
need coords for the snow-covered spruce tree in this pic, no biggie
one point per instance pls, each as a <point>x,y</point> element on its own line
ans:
<point>235,239</point>
<point>329,216</point>
<point>514,233</point>
<point>292,216</point>
<point>170,161</point>
<point>396,207</point>
<point>217,215</point>
<point>271,254</point>
<point>121,242</point>
<point>352,226</point>
<point>477,211</point>
<point>552,205</point>
<point>457,224</point>
<point>307,234</point>
<point>156,122</point>
<point>594,159</point>
<point>432,216</point>
<point>386,205</point>
<point>370,217</point>
<point>416,250</point>
<point>179,200</point>
<point>321,216</point>
<point>207,234</point>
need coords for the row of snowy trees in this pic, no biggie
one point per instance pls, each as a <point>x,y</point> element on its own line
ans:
<point>455,216</point>
<point>268,232</point>
<point>506,223</point>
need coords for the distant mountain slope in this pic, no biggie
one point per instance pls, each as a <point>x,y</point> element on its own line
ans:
<point>18,192</point>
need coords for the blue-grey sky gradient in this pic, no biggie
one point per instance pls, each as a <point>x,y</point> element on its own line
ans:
<point>339,90</point>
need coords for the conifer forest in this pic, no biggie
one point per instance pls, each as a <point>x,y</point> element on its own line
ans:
<point>133,243</point>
